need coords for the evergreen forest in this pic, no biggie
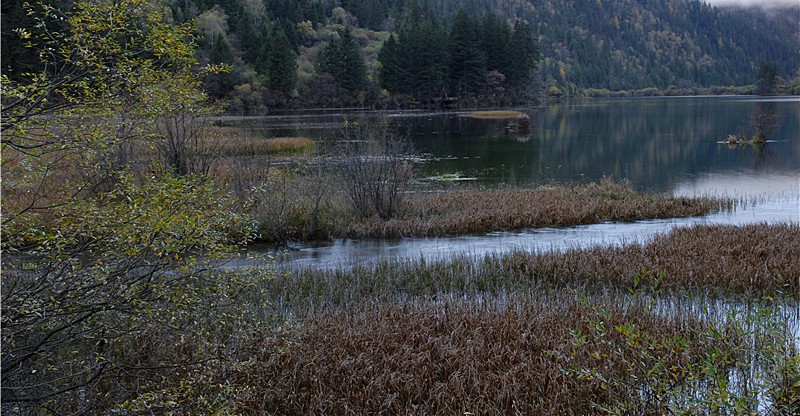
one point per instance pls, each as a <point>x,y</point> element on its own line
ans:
<point>403,53</point>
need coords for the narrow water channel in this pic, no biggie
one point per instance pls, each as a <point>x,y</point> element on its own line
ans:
<point>671,145</point>
<point>763,199</point>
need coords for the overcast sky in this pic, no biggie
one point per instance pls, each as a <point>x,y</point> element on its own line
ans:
<point>754,2</point>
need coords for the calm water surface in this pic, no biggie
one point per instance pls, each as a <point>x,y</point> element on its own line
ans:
<point>668,145</point>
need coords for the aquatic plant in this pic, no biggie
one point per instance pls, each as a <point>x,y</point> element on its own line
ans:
<point>719,260</point>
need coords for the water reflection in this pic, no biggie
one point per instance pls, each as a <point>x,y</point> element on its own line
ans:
<point>653,142</point>
<point>659,144</point>
<point>764,118</point>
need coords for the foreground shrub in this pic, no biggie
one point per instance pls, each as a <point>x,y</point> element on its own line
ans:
<point>110,225</point>
<point>122,269</point>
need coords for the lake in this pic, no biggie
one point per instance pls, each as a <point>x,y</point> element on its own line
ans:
<point>664,144</point>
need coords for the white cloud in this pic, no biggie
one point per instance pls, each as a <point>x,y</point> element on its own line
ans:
<point>762,3</point>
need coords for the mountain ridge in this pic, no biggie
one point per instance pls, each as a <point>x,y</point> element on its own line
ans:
<point>274,46</point>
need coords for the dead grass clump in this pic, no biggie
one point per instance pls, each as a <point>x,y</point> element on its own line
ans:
<point>498,114</point>
<point>749,260</point>
<point>249,146</point>
<point>289,145</point>
<point>236,141</point>
<point>452,358</point>
<point>482,210</point>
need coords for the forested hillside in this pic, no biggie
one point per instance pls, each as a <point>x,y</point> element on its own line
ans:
<point>619,44</point>
<point>312,53</point>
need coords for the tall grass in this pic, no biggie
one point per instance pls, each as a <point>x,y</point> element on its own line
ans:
<point>721,260</point>
<point>533,355</point>
<point>245,144</point>
<point>483,210</point>
<point>683,324</point>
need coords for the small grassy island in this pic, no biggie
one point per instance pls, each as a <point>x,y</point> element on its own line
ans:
<point>494,114</point>
<point>478,210</point>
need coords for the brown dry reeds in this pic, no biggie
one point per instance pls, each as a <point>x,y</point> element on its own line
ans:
<point>258,146</point>
<point>720,260</point>
<point>459,357</point>
<point>453,212</point>
<point>747,260</point>
<point>504,334</point>
<point>290,145</point>
<point>482,210</point>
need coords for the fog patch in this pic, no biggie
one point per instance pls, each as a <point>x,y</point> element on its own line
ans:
<point>767,4</point>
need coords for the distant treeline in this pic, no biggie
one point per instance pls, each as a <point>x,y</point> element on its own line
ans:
<point>326,53</point>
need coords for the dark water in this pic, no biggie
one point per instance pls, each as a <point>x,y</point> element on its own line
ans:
<point>670,145</point>
<point>656,143</point>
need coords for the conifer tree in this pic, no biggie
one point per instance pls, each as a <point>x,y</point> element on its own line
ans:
<point>766,78</point>
<point>248,36</point>
<point>327,59</point>
<point>466,61</point>
<point>344,62</point>
<point>524,56</point>
<point>281,64</point>
<point>353,69</point>
<point>495,42</point>
<point>393,73</point>
<point>264,46</point>
<point>429,70</point>
<point>220,51</point>
<point>218,85</point>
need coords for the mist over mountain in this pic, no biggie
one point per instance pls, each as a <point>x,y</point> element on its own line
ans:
<point>769,4</point>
